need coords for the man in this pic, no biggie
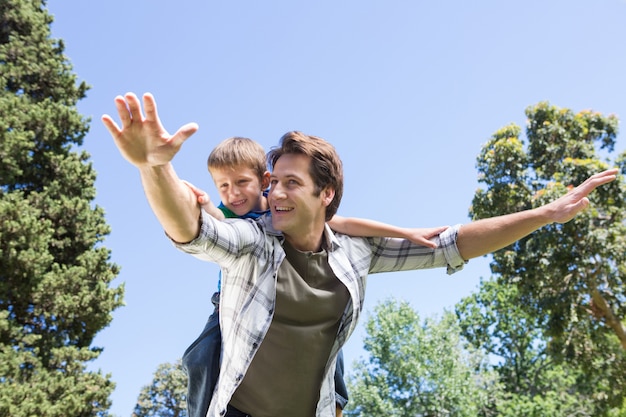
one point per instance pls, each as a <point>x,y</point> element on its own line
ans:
<point>292,291</point>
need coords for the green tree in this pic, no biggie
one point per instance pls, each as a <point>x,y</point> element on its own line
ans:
<point>418,369</point>
<point>569,277</point>
<point>166,396</point>
<point>54,271</point>
<point>495,320</point>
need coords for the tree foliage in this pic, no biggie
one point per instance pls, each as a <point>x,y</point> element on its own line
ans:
<point>54,271</point>
<point>418,369</point>
<point>166,396</point>
<point>568,278</point>
<point>495,321</point>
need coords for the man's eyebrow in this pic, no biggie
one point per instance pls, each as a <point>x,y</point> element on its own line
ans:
<point>289,175</point>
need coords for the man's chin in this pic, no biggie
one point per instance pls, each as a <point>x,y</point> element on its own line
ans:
<point>278,225</point>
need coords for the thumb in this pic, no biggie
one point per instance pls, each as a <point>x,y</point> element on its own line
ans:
<point>583,203</point>
<point>575,208</point>
<point>184,133</point>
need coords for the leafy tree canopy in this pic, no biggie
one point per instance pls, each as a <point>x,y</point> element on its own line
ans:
<point>166,396</point>
<point>418,368</point>
<point>564,283</point>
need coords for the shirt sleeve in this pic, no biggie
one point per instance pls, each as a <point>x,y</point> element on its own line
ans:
<point>447,241</point>
<point>393,254</point>
<point>220,241</point>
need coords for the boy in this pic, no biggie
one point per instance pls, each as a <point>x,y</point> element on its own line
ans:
<point>239,169</point>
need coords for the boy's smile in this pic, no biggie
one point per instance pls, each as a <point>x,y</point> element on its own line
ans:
<point>240,189</point>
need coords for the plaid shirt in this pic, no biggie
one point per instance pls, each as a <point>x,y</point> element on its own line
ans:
<point>249,252</point>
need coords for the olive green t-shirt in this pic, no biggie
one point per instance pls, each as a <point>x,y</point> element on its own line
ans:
<point>286,373</point>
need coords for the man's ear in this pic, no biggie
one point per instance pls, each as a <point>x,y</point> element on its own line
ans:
<point>328,194</point>
<point>265,180</point>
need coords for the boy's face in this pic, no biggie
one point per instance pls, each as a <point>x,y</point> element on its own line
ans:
<point>240,189</point>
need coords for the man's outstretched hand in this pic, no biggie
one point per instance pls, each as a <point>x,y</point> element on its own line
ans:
<point>488,235</point>
<point>568,206</point>
<point>143,141</point>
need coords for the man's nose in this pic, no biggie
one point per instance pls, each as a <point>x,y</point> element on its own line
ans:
<point>277,191</point>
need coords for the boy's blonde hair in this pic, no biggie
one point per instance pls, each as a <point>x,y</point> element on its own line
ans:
<point>238,151</point>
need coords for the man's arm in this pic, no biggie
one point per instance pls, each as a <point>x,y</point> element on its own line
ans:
<point>145,143</point>
<point>488,235</point>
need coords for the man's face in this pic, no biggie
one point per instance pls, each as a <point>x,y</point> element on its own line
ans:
<point>239,188</point>
<point>296,210</point>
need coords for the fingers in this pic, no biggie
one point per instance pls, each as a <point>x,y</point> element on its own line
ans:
<point>607,176</point>
<point>110,124</point>
<point>123,111</point>
<point>193,188</point>
<point>423,236</point>
<point>575,201</point>
<point>595,181</point>
<point>149,104</point>
<point>434,232</point>
<point>438,230</point>
<point>134,108</point>
<point>201,195</point>
<point>601,178</point>
<point>129,110</point>
<point>428,243</point>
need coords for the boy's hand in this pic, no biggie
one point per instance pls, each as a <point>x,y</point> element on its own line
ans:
<point>202,196</point>
<point>143,141</point>
<point>422,236</point>
<point>205,201</point>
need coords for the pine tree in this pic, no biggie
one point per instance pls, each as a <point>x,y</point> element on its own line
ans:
<point>54,272</point>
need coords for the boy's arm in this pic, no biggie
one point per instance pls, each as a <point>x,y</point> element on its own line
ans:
<point>205,201</point>
<point>370,228</point>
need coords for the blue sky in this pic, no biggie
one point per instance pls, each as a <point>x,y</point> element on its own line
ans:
<point>408,92</point>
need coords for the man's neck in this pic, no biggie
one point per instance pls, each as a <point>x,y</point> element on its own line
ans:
<point>311,243</point>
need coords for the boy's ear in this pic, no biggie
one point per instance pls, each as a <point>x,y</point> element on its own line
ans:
<point>265,180</point>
